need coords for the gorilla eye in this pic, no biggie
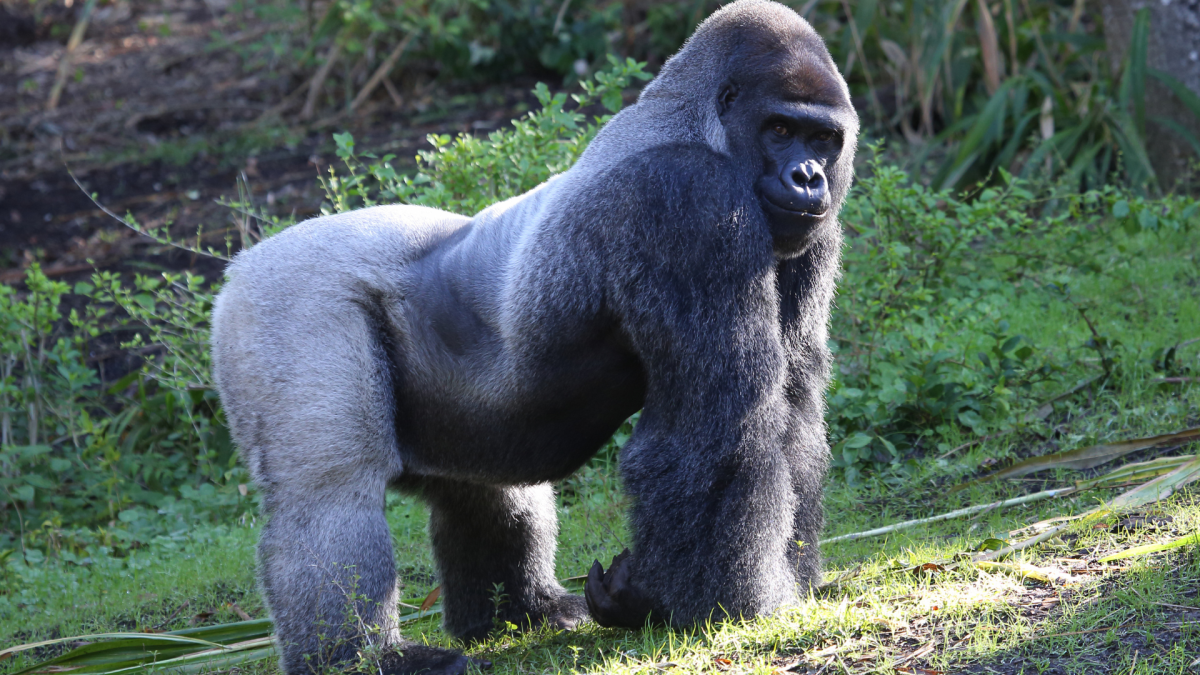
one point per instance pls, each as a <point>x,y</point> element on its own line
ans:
<point>823,136</point>
<point>780,129</point>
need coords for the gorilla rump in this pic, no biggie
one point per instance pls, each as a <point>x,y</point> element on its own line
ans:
<point>684,266</point>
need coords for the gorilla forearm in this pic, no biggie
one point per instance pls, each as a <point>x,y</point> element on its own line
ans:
<point>806,288</point>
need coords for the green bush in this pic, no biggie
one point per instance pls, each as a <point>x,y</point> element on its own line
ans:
<point>83,467</point>
<point>467,174</point>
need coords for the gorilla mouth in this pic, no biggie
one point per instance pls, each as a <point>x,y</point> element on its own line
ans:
<point>805,211</point>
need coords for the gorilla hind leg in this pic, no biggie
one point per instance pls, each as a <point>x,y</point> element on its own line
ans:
<point>495,548</point>
<point>329,577</point>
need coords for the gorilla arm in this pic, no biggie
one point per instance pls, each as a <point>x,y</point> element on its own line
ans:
<point>712,498</point>
<point>806,288</point>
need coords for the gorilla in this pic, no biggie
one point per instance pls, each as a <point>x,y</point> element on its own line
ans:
<point>684,266</point>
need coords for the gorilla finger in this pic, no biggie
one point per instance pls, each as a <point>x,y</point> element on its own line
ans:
<point>599,603</point>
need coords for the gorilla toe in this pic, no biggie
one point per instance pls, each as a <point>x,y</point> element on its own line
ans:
<point>569,613</point>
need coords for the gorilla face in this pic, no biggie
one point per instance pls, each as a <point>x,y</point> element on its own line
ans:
<point>797,145</point>
<point>793,126</point>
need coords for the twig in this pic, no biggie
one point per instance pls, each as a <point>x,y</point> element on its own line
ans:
<point>562,12</point>
<point>166,242</point>
<point>917,654</point>
<point>64,66</point>
<point>174,614</point>
<point>969,444</point>
<point>318,80</point>
<point>397,99</point>
<point>12,276</point>
<point>1070,392</point>
<point>1021,545</point>
<point>1183,607</point>
<point>287,102</point>
<point>239,611</point>
<point>381,72</point>
<point>1037,496</point>
<point>1079,632</point>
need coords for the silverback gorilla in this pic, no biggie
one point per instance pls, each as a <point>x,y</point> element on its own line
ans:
<point>684,266</point>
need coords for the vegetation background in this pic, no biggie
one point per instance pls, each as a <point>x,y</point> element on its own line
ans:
<point>1021,280</point>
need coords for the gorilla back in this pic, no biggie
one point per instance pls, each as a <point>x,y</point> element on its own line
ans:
<point>685,266</point>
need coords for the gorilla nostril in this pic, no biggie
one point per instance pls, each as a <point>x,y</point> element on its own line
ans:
<point>804,174</point>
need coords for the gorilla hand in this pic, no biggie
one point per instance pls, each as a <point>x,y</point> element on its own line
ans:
<point>614,601</point>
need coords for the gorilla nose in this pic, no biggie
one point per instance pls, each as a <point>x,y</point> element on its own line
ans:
<point>807,174</point>
<point>806,182</point>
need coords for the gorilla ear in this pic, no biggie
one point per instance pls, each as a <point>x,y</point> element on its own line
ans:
<point>725,99</point>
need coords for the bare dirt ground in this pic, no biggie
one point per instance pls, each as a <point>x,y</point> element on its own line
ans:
<point>158,123</point>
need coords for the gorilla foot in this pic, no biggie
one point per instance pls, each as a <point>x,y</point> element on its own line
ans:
<point>568,612</point>
<point>614,601</point>
<point>414,659</point>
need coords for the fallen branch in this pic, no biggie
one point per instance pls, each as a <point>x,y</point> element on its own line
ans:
<point>318,80</point>
<point>64,66</point>
<point>381,72</point>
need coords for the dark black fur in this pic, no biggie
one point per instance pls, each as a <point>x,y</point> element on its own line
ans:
<point>684,266</point>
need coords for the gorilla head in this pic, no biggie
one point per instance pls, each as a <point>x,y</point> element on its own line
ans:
<point>684,266</point>
<point>756,82</point>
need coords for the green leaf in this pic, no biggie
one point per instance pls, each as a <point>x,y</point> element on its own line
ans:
<point>195,649</point>
<point>858,440</point>
<point>345,144</point>
<point>991,544</point>
<point>1137,67</point>
<point>1148,220</point>
<point>1187,96</point>
<point>612,100</point>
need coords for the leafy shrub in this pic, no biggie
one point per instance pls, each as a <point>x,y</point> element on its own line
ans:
<point>467,174</point>
<point>923,346</point>
<point>921,339</point>
<point>74,456</point>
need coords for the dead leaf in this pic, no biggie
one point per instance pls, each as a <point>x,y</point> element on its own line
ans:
<point>431,598</point>
<point>202,616</point>
<point>239,611</point>
<point>1093,455</point>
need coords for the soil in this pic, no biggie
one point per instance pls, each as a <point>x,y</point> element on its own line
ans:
<point>145,121</point>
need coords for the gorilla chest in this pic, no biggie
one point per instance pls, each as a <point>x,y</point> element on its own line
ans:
<point>518,418</point>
